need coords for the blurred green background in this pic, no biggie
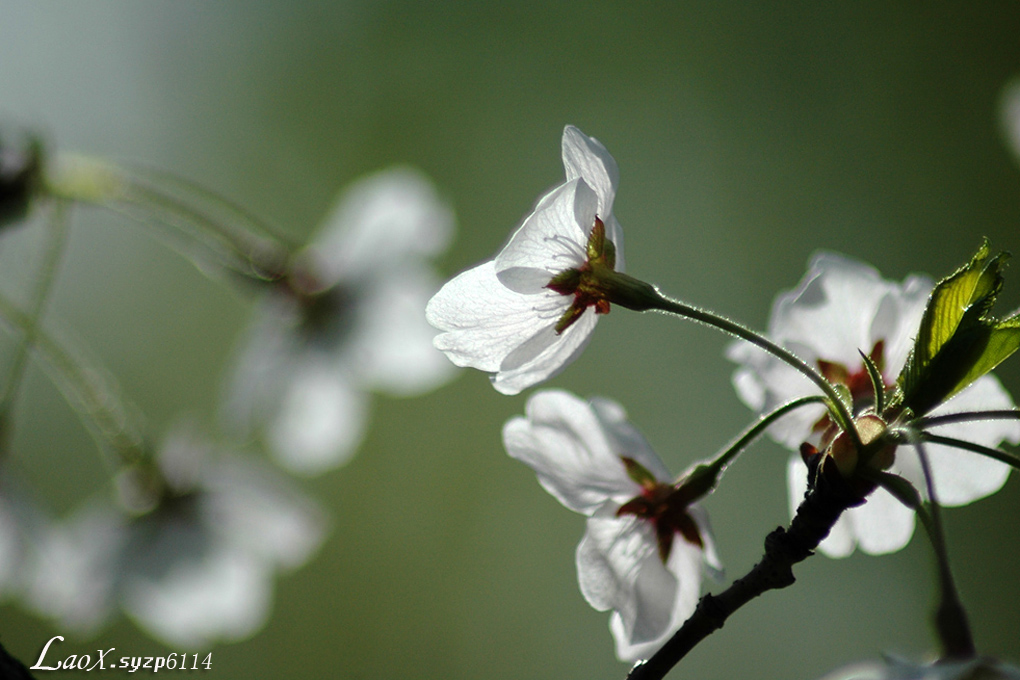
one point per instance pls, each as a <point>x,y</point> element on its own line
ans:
<point>747,137</point>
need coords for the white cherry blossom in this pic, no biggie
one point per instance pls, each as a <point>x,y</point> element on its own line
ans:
<point>840,308</point>
<point>1009,115</point>
<point>899,669</point>
<point>196,568</point>
<point>21,520</point>
<point>640,561</point>
<point>349,321</point>
<point>503,316</point>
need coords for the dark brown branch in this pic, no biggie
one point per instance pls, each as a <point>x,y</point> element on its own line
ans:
<point>822,506</point>
<point>11,668</point>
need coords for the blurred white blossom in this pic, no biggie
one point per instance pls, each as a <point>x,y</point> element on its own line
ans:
<point>840,308</point>
<point>898,669</point>
<point>20,523</point>
<point>1009,115</point>
<point>645,549</point>
<point>197,566</point>
<point>522,315</point>
<point>349,321</point>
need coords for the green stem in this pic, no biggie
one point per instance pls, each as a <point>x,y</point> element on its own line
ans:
<point>85,180</point>
<point>241,214</point>
<point>659,302</point>
<point>950,617</point>
<point>707,475</point>
<point>964,417</point>
<point>1001,456</point>
<point>56,241</point>
<point>99,405</point>
<point>256,258</point>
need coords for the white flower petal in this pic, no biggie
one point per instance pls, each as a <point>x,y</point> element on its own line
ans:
<point>587,158</point>
<point>22,522</point>
<point>892,668</point>
<point>494,329</point>
<point>882,525</point>
<point>501,316</point>
<point>626,440</point>
<point>263,363</point>
<point>830,315</point>
<point>262,512</point>
<point>544,355</point>
<point>75,569</point>
<point>962,476</point>
<point>551,240</point>
<point>321,420</point>
<point>223,595</point>
<point>485,321</point>
<point>378,222</point>
<point>1009,115</point>
<point>10,548</point>
<point>352,302</point>
<point>619,568</point>
<point>576,448</point>
<point>832,309</point>
<point>391,348</point>
<point>896,322</point>
<point>563,440</point>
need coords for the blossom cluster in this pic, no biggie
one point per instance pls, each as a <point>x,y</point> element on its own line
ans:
<point>871,343</point>
<point>194,531</point>
<point>881,390</point>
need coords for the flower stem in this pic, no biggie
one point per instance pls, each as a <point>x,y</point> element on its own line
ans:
<point>238,241</point>
<point>706,476</point>
<point>950,616</point>
<point>56,241</point>
<point>1001,456</point>
<point>840,412</point>
<point>964,417</point>
<point>97,402</point>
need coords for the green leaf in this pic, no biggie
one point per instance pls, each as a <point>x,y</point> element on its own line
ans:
<point>845,396</point>
<point>877,383</point>
<point>958,342</point>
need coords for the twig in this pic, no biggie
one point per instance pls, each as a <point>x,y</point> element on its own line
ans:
<point>822,506</point>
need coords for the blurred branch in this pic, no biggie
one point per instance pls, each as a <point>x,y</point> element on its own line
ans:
<point>56,242</point>
<point>11,668</point>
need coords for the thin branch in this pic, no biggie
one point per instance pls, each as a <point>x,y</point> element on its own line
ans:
<point>56,242</point>
<point>822,506</point>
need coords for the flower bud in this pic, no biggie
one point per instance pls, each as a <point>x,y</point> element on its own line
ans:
<point>873,453</point>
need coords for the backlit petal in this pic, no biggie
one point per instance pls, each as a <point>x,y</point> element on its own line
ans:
<point>563,440</point>
<point>587,158</point>
<point>551,240</point>
<point>380,221</point>
<point>484,321</point>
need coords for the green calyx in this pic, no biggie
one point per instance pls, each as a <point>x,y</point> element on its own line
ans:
<point>597,284</point>
<point>958,341</point>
